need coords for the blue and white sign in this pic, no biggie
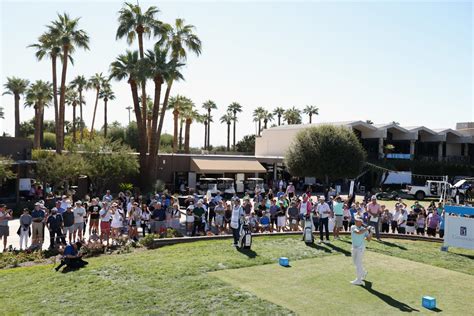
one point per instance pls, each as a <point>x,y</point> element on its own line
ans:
<point>459,230</point>
<point>398,156</point>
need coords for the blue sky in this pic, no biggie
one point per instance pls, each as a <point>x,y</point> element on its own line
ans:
<point>409,62</point>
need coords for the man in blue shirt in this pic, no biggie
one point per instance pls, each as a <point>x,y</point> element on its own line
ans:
<point>359,233</point>
<point>72,259</point>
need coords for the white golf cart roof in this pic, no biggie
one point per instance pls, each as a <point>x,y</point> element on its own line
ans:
<point>225,179</point>
<point>207,179</point>
<point>254,179</point>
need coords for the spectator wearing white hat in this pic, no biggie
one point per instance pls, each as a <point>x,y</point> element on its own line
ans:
<point>358,235</point>
<point>323,210</point>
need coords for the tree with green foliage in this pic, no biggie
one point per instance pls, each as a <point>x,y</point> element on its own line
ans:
<point>311,110</point>
<point>258,117</point>
<point>58,170</point>
<point>234,108</point>
<point>38,96</point>
<point>227,119</point>
<point>326,152</point>
<point>108,163</point>
<point>209,105</point>
<point>67,32</point>
<point>106,94</point>
<point>278,112</point>
<point>246,144</point>
<point>6,169</point>
<point>16,87</point>
<point>80,84</point>
<point>292,116</point>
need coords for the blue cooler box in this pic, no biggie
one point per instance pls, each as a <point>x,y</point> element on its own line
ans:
<point>428,302</point>
<point>284,261</point>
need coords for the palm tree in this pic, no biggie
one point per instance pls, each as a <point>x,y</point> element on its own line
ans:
<point>106,94</point>
<point>208,106</point>
<point>127,66</point>
<point>134,23</point>
<point>72,99</point>
<point>16,87</point>
<point>267,116</point>
<point>311,110</point>
<point>278,111</point>
<point>234,108</point>
<point>97,82</point>
<point>158,68</point>
<point>50,45</point>
<point>189,115</point>
<point>292,116</point>
<point>39,95</point>
<point>80,84</point>
<point>227,119</point>
<point>178,38</point>
<point>67,31</point>
<point>178,104</point>
<point>258,117</point>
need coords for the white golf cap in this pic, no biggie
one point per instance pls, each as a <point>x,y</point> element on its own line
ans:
<point>373,197</point>
<point>358,218</point>
<point>322,197</point>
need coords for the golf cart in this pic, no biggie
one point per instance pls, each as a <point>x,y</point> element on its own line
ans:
<point>255,184</point>
<point>226,186</point>
<point>207,186</point>
<point>464,188</point>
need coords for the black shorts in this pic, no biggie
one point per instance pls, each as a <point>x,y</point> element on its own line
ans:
<point>420,230</point>
<point>431,232</point>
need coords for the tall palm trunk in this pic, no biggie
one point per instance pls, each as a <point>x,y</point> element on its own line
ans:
<point>279,119</point>
<point>175,131</point>
<point>187,134</point>
<point>142,143</point>
<point>95,110</point>
<point>80,113</point>
<point>163,112</point>
<point>105,117</point>
<point>228,136</point>
<point>152,158</point>
<point>235,120</point>
<point>42,128</point>
<point>265,121</point>
<point>62,99</point>
<point>181,123</point>
<point>140,31</point>
<point>74,122</point>
<point>36,139</point>
<point>17,115</point>
<point>259,127</point>
<point>310,117</point>
<point>205,133</point>
<point>148,131</point>
<point>208,128</point>
<point>55,93</point>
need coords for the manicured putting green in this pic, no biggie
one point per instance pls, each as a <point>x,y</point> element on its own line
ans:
<point>321,286</point>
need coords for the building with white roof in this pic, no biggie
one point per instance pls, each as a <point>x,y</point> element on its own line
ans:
<point>410,142</point>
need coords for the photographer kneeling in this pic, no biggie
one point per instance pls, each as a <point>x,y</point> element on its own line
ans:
<point>359,233</point>
<point>72,258</point>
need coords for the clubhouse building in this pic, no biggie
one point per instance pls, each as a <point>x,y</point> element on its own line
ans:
<point>409,142</point>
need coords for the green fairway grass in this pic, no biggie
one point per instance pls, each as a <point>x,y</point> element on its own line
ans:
<point>321,286</point>
<point>175,279</point>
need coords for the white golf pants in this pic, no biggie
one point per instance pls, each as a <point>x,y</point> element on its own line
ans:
<point>23,238</point>
<point>357,257</point>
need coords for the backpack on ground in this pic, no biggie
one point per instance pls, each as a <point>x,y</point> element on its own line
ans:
<point>308,230</point>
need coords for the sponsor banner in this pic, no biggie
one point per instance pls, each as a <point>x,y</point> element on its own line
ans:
<point>398,156</point>
<point>459,232</point>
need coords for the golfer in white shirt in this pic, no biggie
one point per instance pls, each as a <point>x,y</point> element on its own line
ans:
<point>359,233</point>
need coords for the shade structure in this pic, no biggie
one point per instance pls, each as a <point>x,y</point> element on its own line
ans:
<point>200,165</point>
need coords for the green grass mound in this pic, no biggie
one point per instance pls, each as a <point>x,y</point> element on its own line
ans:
<point>175,279</point>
